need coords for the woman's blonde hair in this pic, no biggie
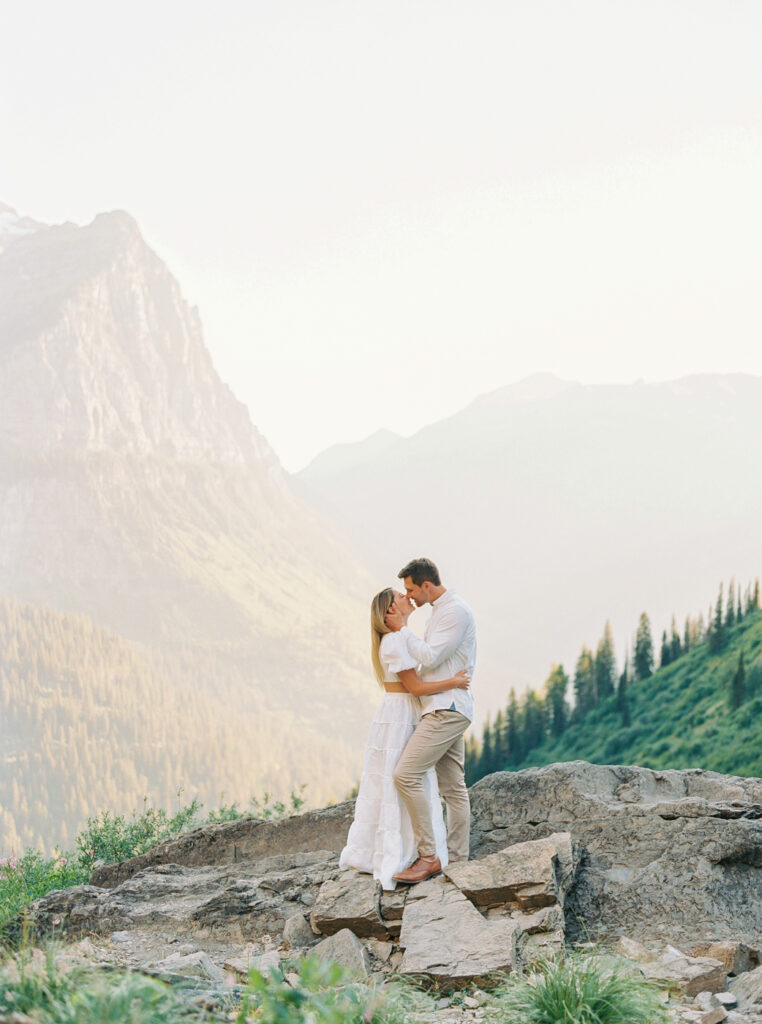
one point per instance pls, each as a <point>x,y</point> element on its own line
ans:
<point>379,606</point>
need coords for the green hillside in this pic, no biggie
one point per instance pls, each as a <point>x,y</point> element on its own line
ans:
<point>686,714</point>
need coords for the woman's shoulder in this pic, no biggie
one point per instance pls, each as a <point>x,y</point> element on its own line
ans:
<point>391,643</point>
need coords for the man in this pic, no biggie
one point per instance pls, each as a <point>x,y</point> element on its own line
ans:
<point>449,645</point>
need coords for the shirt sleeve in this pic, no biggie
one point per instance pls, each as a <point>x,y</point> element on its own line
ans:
<point>443,641</point>
<point>394,653</point>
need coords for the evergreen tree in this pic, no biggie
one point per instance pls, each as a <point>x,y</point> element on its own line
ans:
<point>665,657</point>
<point>730,613</point>
<point>556,686</point>
<point>675,644</point>
<point>487,755</point>
<point>605,664</point>
<point>755,596</point>
<point>584,684</point>
<point>472,760</point>
<point>737,684</point>
<point>534,721</point>
<point>687,634</point>
<point>739,607</point>
<point>500,741</point>
<point>513,730</point>
<point>717,634</point>
<point>644,649</point>
<point>622,703</point>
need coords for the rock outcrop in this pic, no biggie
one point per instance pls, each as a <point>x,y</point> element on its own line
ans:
<point>673,856</point>
<point>666,862</point>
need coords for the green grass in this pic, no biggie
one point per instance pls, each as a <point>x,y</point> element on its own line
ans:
<point>40,986</point>
<point>576,989</point>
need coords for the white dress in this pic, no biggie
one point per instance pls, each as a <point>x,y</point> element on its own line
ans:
<point>381,840</point>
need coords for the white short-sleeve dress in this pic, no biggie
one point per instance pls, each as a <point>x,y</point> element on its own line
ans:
<point>381,840</point>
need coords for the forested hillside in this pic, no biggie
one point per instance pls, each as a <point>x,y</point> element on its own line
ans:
<point>88,721</point>
<point>701,708</point>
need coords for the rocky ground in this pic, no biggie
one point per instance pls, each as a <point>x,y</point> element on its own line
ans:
<point>665,868</point>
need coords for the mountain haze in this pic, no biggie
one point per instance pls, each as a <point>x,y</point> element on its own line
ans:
<point>135,491</point>
<point>552,506</point>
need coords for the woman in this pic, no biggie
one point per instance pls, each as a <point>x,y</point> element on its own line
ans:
<point>381,840</point>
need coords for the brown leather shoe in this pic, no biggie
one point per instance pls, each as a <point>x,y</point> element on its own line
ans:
<point>423,868</point>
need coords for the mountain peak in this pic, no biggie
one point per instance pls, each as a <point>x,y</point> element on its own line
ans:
<point>13,225</point>
<point>100,352</point>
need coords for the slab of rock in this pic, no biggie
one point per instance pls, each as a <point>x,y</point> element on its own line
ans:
<point>747,988</point>
<point>245,839</point>
<point>689,975</point>
<point>297,932</point>
<point>345,949</point>
<point>737,956</point>
<point>252,959</point>
<point>191,965</point>
<point>445,937</point>
<point>524,876</point>
<point>668,854</point>
<point>247,900</point>
<point>349,901</point>
<point>391,908</point>
<point>635,950</point>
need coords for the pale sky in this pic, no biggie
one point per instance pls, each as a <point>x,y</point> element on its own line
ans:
<point>383,209</point>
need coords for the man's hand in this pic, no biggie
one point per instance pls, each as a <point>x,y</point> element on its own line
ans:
<point>394,620</point>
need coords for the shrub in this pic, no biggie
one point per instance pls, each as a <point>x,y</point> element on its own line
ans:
<point>32,986</point>
<point>573,989</point>
<point>24,879</point>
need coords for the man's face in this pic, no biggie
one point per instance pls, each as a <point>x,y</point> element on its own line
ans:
<point>418,595</point>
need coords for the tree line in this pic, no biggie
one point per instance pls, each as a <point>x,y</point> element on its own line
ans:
<point>525,723</point>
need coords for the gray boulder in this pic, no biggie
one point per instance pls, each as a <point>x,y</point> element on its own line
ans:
<point>346,950</point>
<point>349,901</point>
<point>668,855</point>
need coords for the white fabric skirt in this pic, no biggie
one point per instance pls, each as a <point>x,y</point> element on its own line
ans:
<point>381,840</point>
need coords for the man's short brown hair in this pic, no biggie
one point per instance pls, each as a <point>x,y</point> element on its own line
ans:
<point>420,570</point>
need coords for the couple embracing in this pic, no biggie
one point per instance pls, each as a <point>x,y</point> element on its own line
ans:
<point>415,755</point>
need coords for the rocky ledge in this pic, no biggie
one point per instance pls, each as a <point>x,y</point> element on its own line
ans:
<point>669,862</point>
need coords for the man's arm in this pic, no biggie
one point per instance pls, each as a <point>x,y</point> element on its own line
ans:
<point>444,639</point>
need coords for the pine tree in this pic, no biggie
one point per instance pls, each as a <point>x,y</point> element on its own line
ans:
<point>487,755</point>
<point>730,614</point>
<point>665,657</point>
<point>513,730</point>
<point>687,634</point>
<point>556,686</point>
<point>584,684</point>
<point>677,649</point>
<point>716,636</point>
<point>622,703</point>
<point>605,664</point>
<point>737,684</point>
<point>644,649</point>
<point>534,721</point>
<point>500,760</point>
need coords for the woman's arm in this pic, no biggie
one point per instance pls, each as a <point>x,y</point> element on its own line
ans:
<point>415,685</point>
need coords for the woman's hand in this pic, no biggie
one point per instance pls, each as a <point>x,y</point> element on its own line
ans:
<point>462,679</point>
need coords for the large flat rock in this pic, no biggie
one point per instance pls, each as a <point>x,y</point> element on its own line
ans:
<point>674,856</point>
<point>523,877</point>
<point>243,840</point>
<point>247,900</point>
<point>445,937</point>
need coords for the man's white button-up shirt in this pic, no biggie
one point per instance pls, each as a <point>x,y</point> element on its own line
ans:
<point>448,646</point>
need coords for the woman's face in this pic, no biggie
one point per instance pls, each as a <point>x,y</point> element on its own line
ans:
<point>402,603</point>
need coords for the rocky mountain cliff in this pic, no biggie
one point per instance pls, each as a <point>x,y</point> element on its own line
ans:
<point>135,490</point>
<point>553,506</point>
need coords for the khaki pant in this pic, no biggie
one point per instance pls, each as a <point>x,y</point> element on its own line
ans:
<point>437,740</point>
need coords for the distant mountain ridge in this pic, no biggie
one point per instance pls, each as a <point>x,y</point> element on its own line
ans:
<point>552,506</point>
<point>135,490</point>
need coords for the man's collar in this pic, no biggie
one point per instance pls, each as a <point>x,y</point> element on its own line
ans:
<point>443,598</point>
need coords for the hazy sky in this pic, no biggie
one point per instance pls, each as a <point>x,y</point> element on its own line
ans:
<point>384,209</point>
